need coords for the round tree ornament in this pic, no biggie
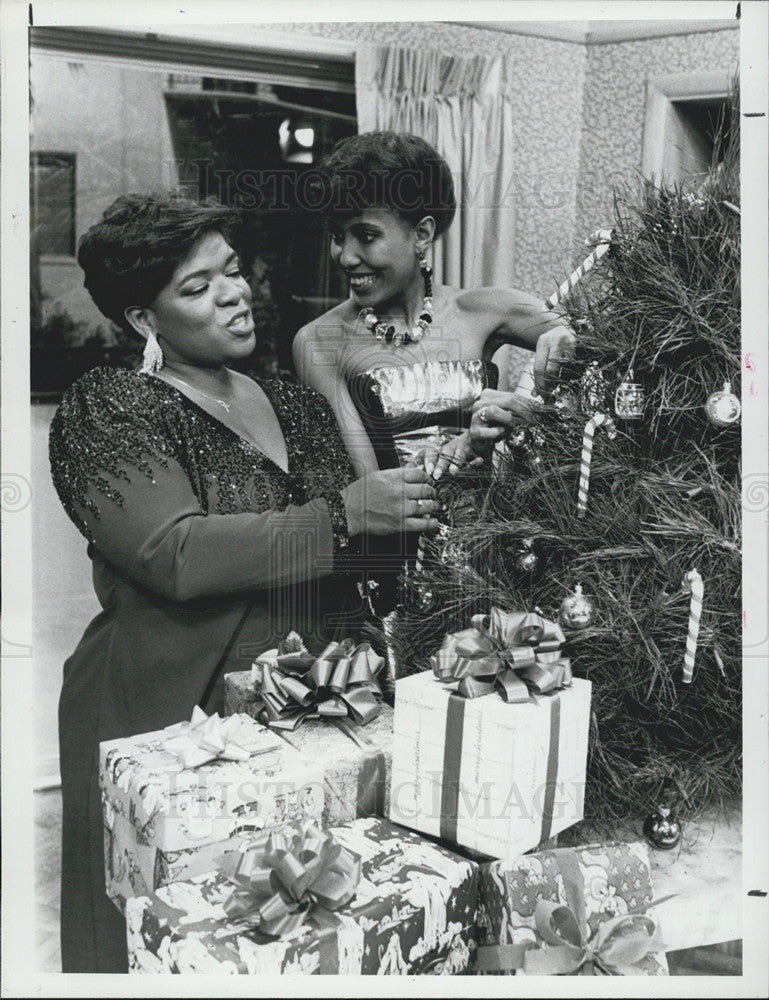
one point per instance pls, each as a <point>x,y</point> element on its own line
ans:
<point>662,829</point>
<point>723,408</point>
<point>577,610</point>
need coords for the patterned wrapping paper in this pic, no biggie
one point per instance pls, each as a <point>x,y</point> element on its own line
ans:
<point>495,777</point>
<point>357,777</point>
<point>598,882</point>
<point>163,822</point>
<point>413,913</point>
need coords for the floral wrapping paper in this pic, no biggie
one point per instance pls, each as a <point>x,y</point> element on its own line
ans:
<point>356,778</point>
<point>601,880</point>
<point>413,913</point>
<point>163,822</point>
<point>494,777</point>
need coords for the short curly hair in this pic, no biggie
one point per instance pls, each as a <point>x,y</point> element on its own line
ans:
<point>131,254</point>
<point>393,170</point>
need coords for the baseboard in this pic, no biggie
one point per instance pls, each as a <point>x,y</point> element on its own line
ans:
<point>47,773</point>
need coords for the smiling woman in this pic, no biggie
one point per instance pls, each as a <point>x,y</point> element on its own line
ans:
<point>213,504</point>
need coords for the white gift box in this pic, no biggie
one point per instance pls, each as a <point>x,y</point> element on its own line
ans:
<point>495,777</point>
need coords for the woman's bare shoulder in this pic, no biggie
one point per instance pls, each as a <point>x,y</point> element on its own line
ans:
<point>325,327</point>
<point>494,301</point>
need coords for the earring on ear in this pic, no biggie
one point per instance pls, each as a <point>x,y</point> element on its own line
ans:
<point>153,355</point>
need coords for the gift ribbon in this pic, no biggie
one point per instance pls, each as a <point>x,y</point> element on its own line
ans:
<point>372,776</point>
<point>203,739</point>
<point>615,949</point>
<point>340,683</point>
<point>301,872</point>
<point>510,653</point>
<point>489,657</point>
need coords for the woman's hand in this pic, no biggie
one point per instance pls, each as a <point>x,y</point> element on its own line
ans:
<point>553,348</point>
<point>493,413</point>
<point>449,457</point>
<point>384,503</point>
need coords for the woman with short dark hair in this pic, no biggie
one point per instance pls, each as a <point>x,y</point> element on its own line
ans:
<point>218,511</point>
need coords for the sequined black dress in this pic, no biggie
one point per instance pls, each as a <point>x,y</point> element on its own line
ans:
<point>204,554</point>
<point>404,408</point>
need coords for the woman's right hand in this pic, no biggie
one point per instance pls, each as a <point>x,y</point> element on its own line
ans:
<point>493,414</point>
<point>390,501</point>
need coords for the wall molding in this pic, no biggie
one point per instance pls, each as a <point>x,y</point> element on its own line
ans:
<point>606,32</point>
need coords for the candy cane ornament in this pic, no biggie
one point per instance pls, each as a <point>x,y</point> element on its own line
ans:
<point>692,582</point>
<point>599,420</point>
<point>603,239</point>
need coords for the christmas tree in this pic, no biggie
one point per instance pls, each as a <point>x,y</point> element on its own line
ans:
<point>659,313</point>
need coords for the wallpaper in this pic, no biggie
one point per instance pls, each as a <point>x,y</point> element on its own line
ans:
<point>615,106</point>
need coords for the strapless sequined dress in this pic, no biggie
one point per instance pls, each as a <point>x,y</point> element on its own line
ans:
<point>404,407</point>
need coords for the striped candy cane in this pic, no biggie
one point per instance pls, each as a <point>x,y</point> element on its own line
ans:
<point>600,419</point>
<point>693,583</point>
<point>603,238</point>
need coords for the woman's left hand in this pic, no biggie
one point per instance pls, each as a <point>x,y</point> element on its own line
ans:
<point>553,348</point>
<point>453,455</point>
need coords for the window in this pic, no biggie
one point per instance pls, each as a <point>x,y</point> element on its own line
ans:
<point>682,115</point>
<point>52,202</point>
<point>255,146</point>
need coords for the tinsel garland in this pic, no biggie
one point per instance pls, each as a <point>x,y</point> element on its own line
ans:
<point>665,496</point>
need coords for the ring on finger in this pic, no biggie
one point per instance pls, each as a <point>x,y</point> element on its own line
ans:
<point>482,415</point>
<point>419,501</point>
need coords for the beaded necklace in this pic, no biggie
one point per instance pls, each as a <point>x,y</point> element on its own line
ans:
<point>387,332</point>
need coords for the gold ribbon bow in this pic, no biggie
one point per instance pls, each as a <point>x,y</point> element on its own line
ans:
<point>203,739</point>
<point>340,683</point>
<point>299,872</point>
<point>512,653</point>
<point>618,944</point>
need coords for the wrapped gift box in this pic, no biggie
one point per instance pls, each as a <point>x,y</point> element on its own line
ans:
<point>164,822</point>
<point>598,883</point>
<point>413,913</point>
<point>357,760</point>
<point>495,777</point>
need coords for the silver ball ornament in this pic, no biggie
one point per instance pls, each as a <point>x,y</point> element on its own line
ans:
<point>518,437</point>
<point>577,610</point>
<point>723,408</point>
<point>662,829</point>
<point>527,562</point>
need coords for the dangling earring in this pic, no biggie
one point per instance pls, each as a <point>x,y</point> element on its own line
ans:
<point>153,355</point>
<point>386,331</point>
